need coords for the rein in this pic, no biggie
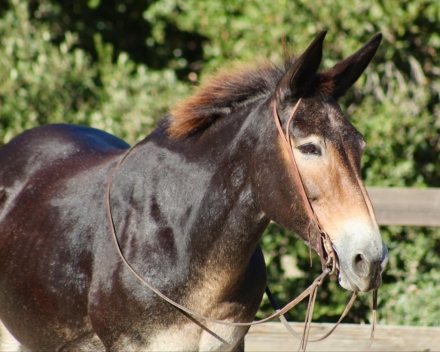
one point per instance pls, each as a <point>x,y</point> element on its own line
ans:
<point>324,248</point>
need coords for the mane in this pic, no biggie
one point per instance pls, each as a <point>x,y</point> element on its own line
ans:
<point>232,87</point>
<point>220,93</point>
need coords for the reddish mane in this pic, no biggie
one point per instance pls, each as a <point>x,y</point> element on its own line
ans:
<point>221,92</point>
<point>229,88</point>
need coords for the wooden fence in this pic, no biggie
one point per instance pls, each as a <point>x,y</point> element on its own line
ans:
<point>406,206</point>
<point>393,206</point>
<point>347,337</point>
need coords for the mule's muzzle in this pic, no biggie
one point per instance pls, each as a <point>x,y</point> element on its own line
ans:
<point>368,272</point>
<point>362,270</point>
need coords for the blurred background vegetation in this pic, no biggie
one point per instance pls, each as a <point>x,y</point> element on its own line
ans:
<point>119,65</point>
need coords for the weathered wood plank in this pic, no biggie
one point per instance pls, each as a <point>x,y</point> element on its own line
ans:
<point>406,206</point>
<point>347,337</point>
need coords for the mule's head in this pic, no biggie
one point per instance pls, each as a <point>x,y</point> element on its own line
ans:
<point>328,150</point>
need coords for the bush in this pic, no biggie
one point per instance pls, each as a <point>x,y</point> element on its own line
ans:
<point>46,83</point>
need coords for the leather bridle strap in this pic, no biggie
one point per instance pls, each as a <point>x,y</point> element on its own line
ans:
<point>322,240</point>
<point>285,137</point>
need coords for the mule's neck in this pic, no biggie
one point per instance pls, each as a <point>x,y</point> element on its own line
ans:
<point>194,198</point>
<point>225,222</point>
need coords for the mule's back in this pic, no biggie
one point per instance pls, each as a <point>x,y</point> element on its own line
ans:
<point>47,154</point>
<point>40,147</point>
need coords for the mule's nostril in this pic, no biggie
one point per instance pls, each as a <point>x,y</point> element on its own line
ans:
<point>360,265</point>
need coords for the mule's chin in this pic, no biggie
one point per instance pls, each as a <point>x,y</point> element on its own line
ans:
<point>345,282</point>
<point>352,282</point>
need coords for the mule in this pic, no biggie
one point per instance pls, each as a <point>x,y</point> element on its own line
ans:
<point>189,203</point>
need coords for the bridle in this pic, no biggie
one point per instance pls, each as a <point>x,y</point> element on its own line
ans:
<point>328,257</point>
<point>324,246</point>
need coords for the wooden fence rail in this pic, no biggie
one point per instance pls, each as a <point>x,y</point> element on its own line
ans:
<point>347,337</point>
<point>406,206</point>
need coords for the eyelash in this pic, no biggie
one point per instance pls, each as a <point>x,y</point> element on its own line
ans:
<point>310,149</point>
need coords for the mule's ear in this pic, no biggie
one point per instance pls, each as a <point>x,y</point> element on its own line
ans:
<point>299,76</point>
<point>346,72</point>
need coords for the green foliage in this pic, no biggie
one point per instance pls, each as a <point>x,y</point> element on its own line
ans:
<point>80,64</point>
<point>121,24</point>
<point>46,83</point>
<point>410,295</point>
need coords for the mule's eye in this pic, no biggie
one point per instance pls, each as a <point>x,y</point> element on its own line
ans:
<point>309,148</point>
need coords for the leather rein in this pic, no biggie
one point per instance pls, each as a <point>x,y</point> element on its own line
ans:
<point>328,257</point>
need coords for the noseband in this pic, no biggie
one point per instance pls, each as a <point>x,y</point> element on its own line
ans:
<point>324,248</point>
